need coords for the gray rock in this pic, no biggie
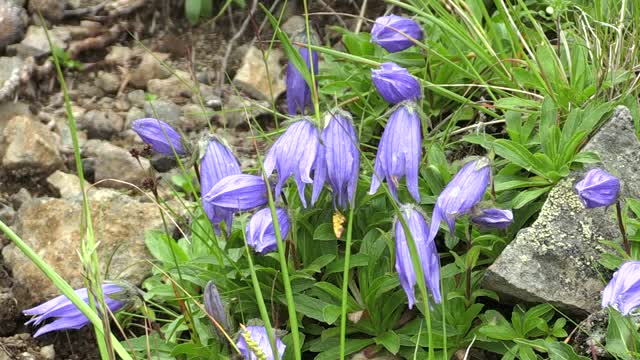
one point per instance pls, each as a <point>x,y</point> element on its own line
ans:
<point>52,228</point>
<point>194,118</point>
<point>101,124</point>
<point>210,97</point>
<point>9,312</point>
<point>108,81</point>
<point>20,197</point>
<point>9,65</point>
<point>177,86</point>
<point>13,19</point>
<point>113,162</point>
<point>555,260</point>
<point>9,110</point>
<point>133,114</point>
<point>137,97</point>
<point>86,91</point>
<point>7,214</point>
<point>163,163</point>
<point>52,10</point>
<point>239,110</point>
<point>164,110</point>
<point>149,68</point>
<point>29,148</point>
<point>260,78</point>
<point>66,185</point>
<point>35,42</point>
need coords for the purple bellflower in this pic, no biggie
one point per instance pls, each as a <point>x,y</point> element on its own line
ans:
<point>215,309</point>
<point>217,163</point>
<point>258,335</point>
<point>338,160</point>
<point>160,135</point>
<point>395,84</point>
<point>463,192</point>
<point>399,152</point>
<point>427,253</point>
<point>298,90</point>
<point>493,218</point>
<point>239,192</point>
<point>623,291</point>
<point>261,235</point>
<point>598,188</point>
<point>391,32</point>
<point>294,154</point>
<point>67,314</point>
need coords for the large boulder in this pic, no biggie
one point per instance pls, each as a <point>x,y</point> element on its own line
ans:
<point>53,229</point>
<point>29,148</point>
<point>555,260</point>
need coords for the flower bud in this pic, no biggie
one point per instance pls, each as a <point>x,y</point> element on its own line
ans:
<point>493,218</point>
<point>239,192</point>
<point>160,135</point>
<point>215,309</point>
<point>261,235</point>
<point>395,84</point>
<point>298,91</point>
<point>598,188</point>
<point>391,32</point>
<point>623,291</point>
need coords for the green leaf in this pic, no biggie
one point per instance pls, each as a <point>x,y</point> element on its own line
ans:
<point>528,196</point>
<point>548,130</point>
<point>316,308</point>
<point>324,232</point>
<point>164,248</point>
<point>333,348</point>
<point>622,336</point>
<point>358,44</point>
<point>519,155</point>
<point>192,10</point>
<point>559,350</point>
<point>390,340</point>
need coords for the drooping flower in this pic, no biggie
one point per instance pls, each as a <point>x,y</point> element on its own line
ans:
<point>67,314</point>
<point>623,291</point>
<point>395,84</point>
<point>261,235</point>
<point>294,154</point>
<point>215,309</point>
<point>160,135</point>
<point>239,192</point>
<point>260,339</point>
<point>399,152</point>
<point>217,163</point>
<point>463,192</point>
<point>391,32</point>
<point>427,253</point>
<point>298,90</point>
<point>493,218</point>
<point>338,159</point>
<point>598,188</point>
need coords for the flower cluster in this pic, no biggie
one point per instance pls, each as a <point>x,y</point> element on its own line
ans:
<point>68,317</point>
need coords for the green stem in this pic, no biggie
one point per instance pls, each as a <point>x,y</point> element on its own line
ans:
<point>284,268</point>
<point>345,287</point>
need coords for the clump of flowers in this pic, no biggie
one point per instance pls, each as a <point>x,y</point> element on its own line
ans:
<point>68,317</point>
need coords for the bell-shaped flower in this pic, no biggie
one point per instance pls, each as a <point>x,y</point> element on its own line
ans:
<point>427,252</point>
<point>160,135</point>
<point>214,307</point>
<point>258,340</point>
<point>493,218</point>
<point>67,314</point>
<point>623,291</point>
<point>598,188</point>
<point>239,192</point>
<point>399,152</point>
<point>298,90</point>
<point>395,84</point>
<point>395,33</point>
<point>294,154</point>
<point>217,163</point>
<point>261,235</point>
<point>463,192</point>
<point>338,160</point>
